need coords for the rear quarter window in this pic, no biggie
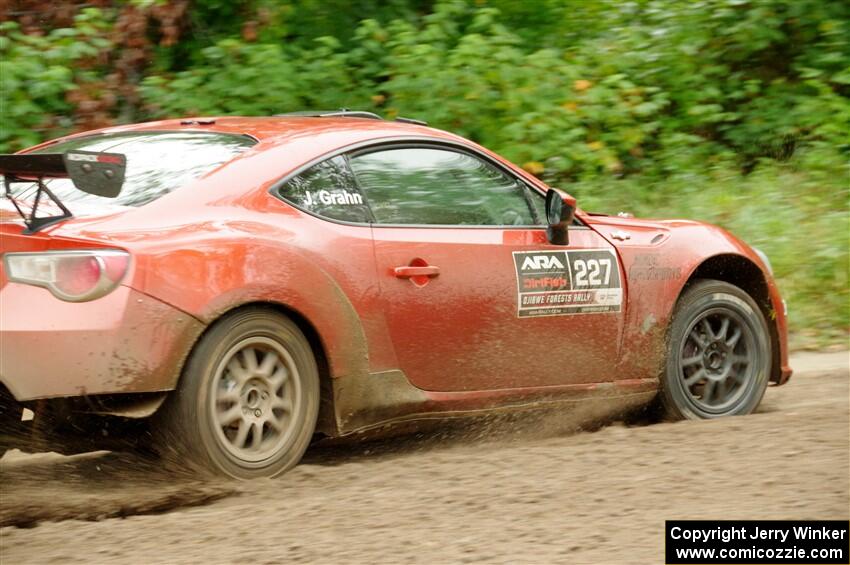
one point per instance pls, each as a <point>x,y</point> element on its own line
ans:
<point>328,189</point>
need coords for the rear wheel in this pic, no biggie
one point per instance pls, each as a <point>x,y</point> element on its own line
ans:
<point>718,358</point>
<point>248,398</point>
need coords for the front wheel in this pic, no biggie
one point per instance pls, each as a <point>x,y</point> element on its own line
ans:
<point>718,359</point>
<point>248,398</point>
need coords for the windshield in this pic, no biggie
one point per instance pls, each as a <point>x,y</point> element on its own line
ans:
<point>157,162</point>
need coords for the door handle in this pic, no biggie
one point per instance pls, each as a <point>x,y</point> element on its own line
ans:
<point>409,271</point>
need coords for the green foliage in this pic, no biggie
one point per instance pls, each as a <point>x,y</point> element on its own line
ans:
<point>256,77</point>
<point>38,72</point>
<point>731,111</point>
<point>641,88</point>
<point>796,212</point>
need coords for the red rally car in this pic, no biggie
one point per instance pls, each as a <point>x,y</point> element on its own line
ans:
<point>246,284</point>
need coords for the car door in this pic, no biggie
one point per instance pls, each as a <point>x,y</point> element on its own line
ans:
<point>474,296</point>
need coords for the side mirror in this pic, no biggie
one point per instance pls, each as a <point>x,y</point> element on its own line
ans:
<point>560,213</point>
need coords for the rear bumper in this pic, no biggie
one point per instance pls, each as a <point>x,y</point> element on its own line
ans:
<point>123,342</point>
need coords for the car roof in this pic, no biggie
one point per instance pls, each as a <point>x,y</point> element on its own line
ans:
<point>306,136</point>
<point>273,128</point>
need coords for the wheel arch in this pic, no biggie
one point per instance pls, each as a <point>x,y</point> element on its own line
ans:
<point>742,272</point>
<point>326,423</point>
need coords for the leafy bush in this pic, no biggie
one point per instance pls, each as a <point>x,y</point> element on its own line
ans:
<point>39,74</point>
<point>651,88</point>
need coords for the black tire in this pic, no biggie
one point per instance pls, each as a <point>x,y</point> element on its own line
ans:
<point>718,355</point>
<point>10,420</point>
<point>275,397</point>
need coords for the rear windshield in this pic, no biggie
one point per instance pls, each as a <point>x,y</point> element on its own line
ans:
<point>157,162</point>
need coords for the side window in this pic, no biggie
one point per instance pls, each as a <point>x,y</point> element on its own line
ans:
<point>327,189</point>
<point>439,187</point>
<point>538,203</point>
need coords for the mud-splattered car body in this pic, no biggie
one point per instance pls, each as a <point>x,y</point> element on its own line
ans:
<point>390,345</point>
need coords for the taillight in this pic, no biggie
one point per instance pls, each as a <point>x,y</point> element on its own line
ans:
<point>73,276</point>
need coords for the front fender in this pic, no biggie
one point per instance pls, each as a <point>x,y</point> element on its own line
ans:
<point>660,259</point>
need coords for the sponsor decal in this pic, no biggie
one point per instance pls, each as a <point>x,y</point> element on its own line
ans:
<point>557,283</point>
<point>541,261</point>
<point>326,197</point>
<point>646,267</point>
<point>114,159</point>
<point>94,158</point>
<point>82,157</point>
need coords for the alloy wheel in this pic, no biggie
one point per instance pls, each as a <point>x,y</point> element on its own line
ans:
<point>255,399</point>
<point>716,360</point>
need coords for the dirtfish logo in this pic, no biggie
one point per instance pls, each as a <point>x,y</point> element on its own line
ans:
<point>327,197</point>
<point>537,262</point>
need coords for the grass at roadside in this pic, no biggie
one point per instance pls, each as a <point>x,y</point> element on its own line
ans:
<point>795,212</point>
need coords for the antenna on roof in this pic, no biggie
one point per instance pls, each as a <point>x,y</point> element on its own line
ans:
<point>341,113</point>
<point>411,121</point>
<point>345,113</point>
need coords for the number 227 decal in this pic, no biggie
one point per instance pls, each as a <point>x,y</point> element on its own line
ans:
<point>557,283</point>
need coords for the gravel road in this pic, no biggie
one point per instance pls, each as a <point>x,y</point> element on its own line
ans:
<point>537,495</point>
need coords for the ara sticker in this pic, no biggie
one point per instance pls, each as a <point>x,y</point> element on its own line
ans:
<point>557,283</point>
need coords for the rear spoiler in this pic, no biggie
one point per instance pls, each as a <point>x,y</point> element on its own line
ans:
<point>101,174</point>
